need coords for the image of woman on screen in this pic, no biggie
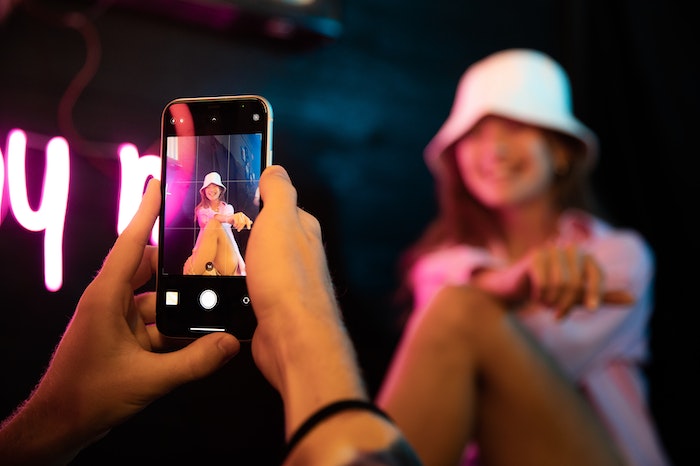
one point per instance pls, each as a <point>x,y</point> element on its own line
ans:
<point>216,252</point>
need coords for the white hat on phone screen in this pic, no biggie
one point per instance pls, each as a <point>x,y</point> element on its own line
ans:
<point>521,84</point>
<point>212,178</point>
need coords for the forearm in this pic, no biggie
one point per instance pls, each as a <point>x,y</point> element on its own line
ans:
<point>352,435</point>
<point>38,433</point>
<point>318,365</point>
<point>507,283</point>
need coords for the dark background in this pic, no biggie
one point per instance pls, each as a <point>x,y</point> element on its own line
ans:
<point>358,89</point>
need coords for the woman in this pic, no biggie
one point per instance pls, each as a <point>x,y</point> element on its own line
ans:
<point>216,251</point>
<point>511,165</point>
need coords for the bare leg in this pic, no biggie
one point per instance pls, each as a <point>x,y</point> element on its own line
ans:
<point>213,246</point>
<point>465,370</point>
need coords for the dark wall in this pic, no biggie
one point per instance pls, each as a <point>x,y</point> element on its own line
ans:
<point>352,115</point>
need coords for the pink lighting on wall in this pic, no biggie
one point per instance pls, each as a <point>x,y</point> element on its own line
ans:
<point>50,215</point>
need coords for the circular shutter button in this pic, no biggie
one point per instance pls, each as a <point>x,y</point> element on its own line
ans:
<point>208,299</point>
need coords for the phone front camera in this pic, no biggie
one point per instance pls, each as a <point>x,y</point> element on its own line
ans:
<point>256,116</point>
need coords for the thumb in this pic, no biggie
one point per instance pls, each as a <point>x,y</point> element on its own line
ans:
<point>197,360</point>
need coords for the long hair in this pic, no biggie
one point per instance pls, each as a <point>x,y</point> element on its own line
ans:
<point>462,219</point>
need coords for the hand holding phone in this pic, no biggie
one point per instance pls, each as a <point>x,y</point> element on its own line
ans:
<point>213,151</point>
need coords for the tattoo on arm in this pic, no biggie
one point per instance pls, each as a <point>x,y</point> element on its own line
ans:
<point>399,453</point>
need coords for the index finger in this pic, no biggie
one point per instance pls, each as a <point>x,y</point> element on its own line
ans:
<point>618,297</point>
<point>280,203</point>
<point>593,283</point>
<point>125,256</point>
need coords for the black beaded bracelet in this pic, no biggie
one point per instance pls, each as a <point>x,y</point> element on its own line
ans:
<point>327,411</point>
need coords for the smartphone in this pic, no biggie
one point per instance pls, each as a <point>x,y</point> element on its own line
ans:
<point>213,150</point>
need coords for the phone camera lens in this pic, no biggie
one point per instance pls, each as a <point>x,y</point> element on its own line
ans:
<point>256,116</point>
<point>172,121</point>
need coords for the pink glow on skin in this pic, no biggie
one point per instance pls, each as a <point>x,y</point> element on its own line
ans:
<point>51,214</point>
<point>135,170</point>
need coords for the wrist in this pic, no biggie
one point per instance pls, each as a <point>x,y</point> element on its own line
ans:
<point>328,410</point>
<point>506,283</point>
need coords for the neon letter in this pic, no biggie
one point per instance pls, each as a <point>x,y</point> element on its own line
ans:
<point>51,214</point>
<point>2,187</point>
<point>135,171</point>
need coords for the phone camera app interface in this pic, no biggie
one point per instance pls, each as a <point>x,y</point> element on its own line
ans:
<point>211,201</point>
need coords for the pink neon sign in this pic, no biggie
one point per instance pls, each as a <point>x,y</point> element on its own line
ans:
<point>50,216</point>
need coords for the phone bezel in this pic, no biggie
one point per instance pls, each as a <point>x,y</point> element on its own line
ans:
<point>210,116</point>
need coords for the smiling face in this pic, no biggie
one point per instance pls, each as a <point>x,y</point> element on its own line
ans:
<point>213,192</point>
<point>504,163</point>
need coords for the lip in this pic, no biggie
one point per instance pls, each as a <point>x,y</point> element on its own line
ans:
<point>498,174</point>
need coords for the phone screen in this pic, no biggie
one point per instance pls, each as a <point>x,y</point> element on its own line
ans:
<point>213,152</point>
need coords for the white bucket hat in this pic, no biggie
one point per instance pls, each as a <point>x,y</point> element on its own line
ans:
<point>520,84</point>
<point>214,178</point>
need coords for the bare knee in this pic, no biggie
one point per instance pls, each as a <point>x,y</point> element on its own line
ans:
<point>212,225</point>
<point>211,232</point>
<point>460,313</point>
